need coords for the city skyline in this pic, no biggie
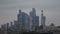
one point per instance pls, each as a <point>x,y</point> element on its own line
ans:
<point>9,10</point>
<point>24,22</point>
<point>28,14</point>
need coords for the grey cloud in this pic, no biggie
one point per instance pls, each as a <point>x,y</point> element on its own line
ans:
<point>9,8</point>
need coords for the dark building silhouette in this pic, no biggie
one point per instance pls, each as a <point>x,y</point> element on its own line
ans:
<point>24,21</point>
<point>43,19</point>
<point>35,19</point>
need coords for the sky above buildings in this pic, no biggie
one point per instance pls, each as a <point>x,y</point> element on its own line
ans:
<point>10,8</point>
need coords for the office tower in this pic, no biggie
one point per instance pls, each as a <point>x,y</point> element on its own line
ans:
<point>30,19</point>
<point>7,25</point>
<point>4,26</point>
<point>19,16</point>
<point>33,12</point>
<point>27,22</point>
<point>35,19</point>
<point>15,24</point>
<point>19,20</point>
<point>23,21</point>
<point>11,24</point>
<point>43,19</point>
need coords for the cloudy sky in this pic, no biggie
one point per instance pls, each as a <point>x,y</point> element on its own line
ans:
<point>9,10</point>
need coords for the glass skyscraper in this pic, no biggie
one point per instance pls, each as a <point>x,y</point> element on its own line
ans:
<point>23,21</point>
<point>35,19</point>
<point>43,18</point>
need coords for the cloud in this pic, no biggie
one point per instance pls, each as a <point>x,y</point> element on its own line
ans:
<point>9,8</point>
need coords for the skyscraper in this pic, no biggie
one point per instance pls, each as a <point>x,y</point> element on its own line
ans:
<point>2,27</point>
<point>23,21</point>
<point>19,20</point>
<point>43,19</point>
<point>7,25</point>
<point>11,24</point>
<point>33,12</point>
<point>15,24</point>
<point>35,19</point>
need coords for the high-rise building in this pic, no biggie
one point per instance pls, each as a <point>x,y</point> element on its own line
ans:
<point>19,16</point>
<point>15,24</point>
<point>2,27</point>
<point>7,25</point>
<point>30,19</point>
<point>35,19</point>
<point>23,21</point>
<point>43,19</point>
<point>33,12</point>
<point>19,20</point>
<point>11,24</point>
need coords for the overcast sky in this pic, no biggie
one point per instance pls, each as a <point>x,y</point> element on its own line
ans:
<point>9,10</point>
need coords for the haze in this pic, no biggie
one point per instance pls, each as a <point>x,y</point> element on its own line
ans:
<point>10,8</point>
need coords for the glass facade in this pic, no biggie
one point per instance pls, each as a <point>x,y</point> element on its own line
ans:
<point>35,19</point>
<point>25,21</point>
